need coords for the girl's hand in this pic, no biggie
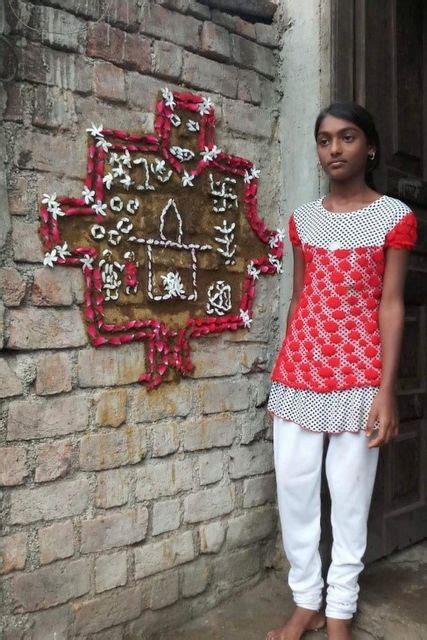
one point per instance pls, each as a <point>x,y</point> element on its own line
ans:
<point>384,409</point>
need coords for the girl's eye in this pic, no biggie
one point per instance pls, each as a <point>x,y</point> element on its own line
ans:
<point>348,138</point>
<point>322,142</point>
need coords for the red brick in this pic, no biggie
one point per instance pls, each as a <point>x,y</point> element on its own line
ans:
<point>32,328</point>
<point>110,366</point>
<point>49,586</point>
<point>105,42</point>
<point>246,119</point>
<point>29,419</point>
<point>201,73</point>
<point>52,67</point>
<point>19,196</point>
<point>244,28</point>
<point>56,542</point>
<point>249,87</point>
<point>53,460</point>
<point>10,385</point>
<point>215,41</point>
<point>13,552</point>
<point>108,610</point>
<point>167,60</point>
<point>267,35</point>
<point>112,488</point>
<point>55,154</point>
<point>26,243</point>
<point>109,82</point>
<point>15,102</point>
<point>123,13</point>
<point>111,408</point>
<point>12,466</point>
<point>115,449</point>
<point>53,374</point>
<point>250,55</point>
<point>137,53</point>
<point>52,287</point>
<point>12,287</point>
<point>169,25</point>
<point>115,530</point>
<point>53,108</point>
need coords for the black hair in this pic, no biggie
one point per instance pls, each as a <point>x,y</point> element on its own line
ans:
<point>359,116</point>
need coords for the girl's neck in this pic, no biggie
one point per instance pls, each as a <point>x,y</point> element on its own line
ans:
<point>351,192</point>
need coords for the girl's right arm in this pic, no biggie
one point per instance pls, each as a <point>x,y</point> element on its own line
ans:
<point>298,281</point>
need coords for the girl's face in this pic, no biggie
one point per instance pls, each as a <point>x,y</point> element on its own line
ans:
<point>342,148</point>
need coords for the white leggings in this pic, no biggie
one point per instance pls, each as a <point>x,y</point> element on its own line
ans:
<point>350,471</point>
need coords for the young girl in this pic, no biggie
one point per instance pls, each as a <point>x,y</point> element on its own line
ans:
<point>334,378</point>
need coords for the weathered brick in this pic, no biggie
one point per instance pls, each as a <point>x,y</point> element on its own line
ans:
<point>30,419</point>
<point>137,53</point>
<point>45,329</point>
<point>114,633</point>
<point>19,196</point>
<point>165,516</point>
<point>26,242</point>
<point>212,536</point>
<point>114,449</point>
<point>163,478</point>
<point>210,467</point>
<point>56,542</point>
<point>59,28</point>
<point>251,460</point>
<point>250,527</point>
<point>110,571</point>
<point>52,623</point>
<point>257,491</point>
<point>195,578</point>
<point>115,530</point>
<point>215,41</point>
<point>49,586</point>
<point>224,395</point>
<point>162,590</point>
<point>52,67</point>
<point>167,60</point>
<point>12,466</point>
<point>163,402</point>
<point>249,86</point>
<point>224,19</point>
<point>59,500</point>
<point>12,287</point>
<point>52,287</point>
<point>253,427</point>
<point>111,408</point>
<point>211,361</point>
<point>105,611</point>
<point>112,488</point>
<point>53,108</point>
<point>15,101</point>
<point>53,460</point>
<point>235,567</point>
<point>267,35</point>
<point>103,41</point>
<point>142,93</point>
<point>192,7</point>
<point>210,431</point>
<point>165,439</point>
<point>53,374</point>
<point>88,8</point>
<point>208,504</point>
<point>13,552</point>
<point>109,82</point>
<point>201,73</point>
<point>168,25</point>
<point>244,28</point>
<point>57,154</point>
<point>247,119</point>
<point>155,557</point>
<point>2,327</point>
<point>123,13</point>
<point>250,55</point>
<point>109,366</point>
<point>10,385</point>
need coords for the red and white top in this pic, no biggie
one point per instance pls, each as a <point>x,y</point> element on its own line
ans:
<point>333,342</point>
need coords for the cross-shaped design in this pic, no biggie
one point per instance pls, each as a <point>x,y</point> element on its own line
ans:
<point>167,234</point>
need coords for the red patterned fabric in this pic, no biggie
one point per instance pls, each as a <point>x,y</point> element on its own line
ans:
<point>333,340</point>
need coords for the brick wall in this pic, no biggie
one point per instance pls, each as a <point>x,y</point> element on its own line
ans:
<point>125,511</point>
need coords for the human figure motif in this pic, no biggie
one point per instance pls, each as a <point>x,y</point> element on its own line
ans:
<point>110,274</point>
<point>335,375</point>
<point>131,273</point>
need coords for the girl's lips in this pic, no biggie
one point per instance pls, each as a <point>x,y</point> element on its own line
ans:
<point>336,163</point>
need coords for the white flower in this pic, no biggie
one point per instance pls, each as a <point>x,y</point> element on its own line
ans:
<point>255,172</point>
<point>210,154</point>
<point>62,251</point>
<point>193,126</point>
<point>175,120</point>
<point>114,158</point>
<point>205,107</point>
<point>124,225</point>
<point>168,98</point>
<point>278,237</point>
<point>173,284</point>
<point>102,142</point>
<point>159,167</point>
<point>187,180</point>
<point>126,181</point>
<point>95,131</point>
<point>108,180</point>
<point>48,200</point>
<point>247,320</point>
<point>100,208</point>
<point>281,234</point>
<point>126,159</point>
<point>88,195</point>
<point>50,258</point>
<point>116,203</point>
<point>275,262</point>
<point>114,237</point>
<point>132,206</point>
<point>181,154</point>
<point>87,262</point>
<point>118,171</point>
<point>253,271</point>
<point>249,176</point>
<point>97,231</point>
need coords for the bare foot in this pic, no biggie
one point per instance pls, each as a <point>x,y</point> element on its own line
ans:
<point>301,620</point>
<point>339,629</point>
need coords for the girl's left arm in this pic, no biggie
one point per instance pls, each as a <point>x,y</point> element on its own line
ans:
<point>391,320</point>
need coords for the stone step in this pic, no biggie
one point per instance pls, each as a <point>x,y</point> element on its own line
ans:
<point>392,606</point>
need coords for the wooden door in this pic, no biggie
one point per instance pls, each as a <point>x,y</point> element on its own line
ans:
<point>380,60</point>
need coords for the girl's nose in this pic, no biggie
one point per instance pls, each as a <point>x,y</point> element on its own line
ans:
<point>336,147</point>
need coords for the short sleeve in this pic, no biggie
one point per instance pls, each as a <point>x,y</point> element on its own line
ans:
<point>404,233</point>
<point>293,233</point>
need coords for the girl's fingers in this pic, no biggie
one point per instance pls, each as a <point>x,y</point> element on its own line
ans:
<point>370,424</point>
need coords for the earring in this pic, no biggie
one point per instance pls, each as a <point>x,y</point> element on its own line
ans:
<point>371,156</point>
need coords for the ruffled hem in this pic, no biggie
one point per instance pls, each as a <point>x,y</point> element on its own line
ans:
<point>332,412</point>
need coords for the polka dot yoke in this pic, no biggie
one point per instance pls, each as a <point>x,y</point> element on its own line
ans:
<point>333,341</point>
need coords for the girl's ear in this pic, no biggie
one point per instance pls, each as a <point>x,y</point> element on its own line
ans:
<point>372,152</point>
